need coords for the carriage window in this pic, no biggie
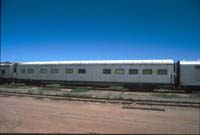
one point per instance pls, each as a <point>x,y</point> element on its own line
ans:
<point>119,71</point>
<point>43,71</point>
<point>68,71</point>
<point>81,71</point>
<point>133,71</point>
<point>147,71</point>
<point>15,70</point>
<point>106,71</point>
<point>197,67</point>
<point>2,72</point>
<point>162,71</point>
<point>30,70</point>
<point>23,71</point>
<point>54,70</point>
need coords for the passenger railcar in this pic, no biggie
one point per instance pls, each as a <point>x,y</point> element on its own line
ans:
<point>127,73</point>
<point>6,72</point>
<point>190,74</point>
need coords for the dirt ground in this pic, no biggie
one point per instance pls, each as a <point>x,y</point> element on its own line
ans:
<point>31,115</point>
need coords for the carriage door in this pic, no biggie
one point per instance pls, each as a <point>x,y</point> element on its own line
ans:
<point>14,72</point>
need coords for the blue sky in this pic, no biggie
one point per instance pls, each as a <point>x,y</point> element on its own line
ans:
<point>48,30</point>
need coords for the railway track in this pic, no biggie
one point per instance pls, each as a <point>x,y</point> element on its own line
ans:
<point>112,101</point>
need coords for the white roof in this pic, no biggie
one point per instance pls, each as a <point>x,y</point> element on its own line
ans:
<point>102,62</point>
<point>197,62</point>
<point>3,64</point>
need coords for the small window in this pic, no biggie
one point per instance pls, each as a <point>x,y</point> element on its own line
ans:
<point>2,72</point>
<point>30,70</point>
<point>162,71</point>
<point>15,70</point>
<point>147,71</point>
<point>106,71</point>
<point>23,71</point>
<point>81,71</point>
<point>119,71</point>
<point>133,71</point>
<point>54,70</point>
<point>197,67</point>
<point>43,71</point>
<point>68,71</point>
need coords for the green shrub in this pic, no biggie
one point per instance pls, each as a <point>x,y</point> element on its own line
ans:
<point>195,95</point>
<point>41,92</point>
<point>119,97</point>
<point>68,95</point>
<point>166,95</point>
<point>30,92</point>
<point>116,87</point>
<point>78,90</point>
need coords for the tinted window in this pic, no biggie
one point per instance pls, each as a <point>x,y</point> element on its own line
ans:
<point>30,70</point>
<point>197,67</point>
<point>81,71</point>
<point>23,71</point>
<point>15,70</point>
<point>162,71</point>
<point>43,71</point>
<point>119,71</point>
<point>106,71</point>
<point>147,71</point>
<point>68,71</point>
<point>54,70</point>
<point>2,72</point>
<point>133,71</point>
